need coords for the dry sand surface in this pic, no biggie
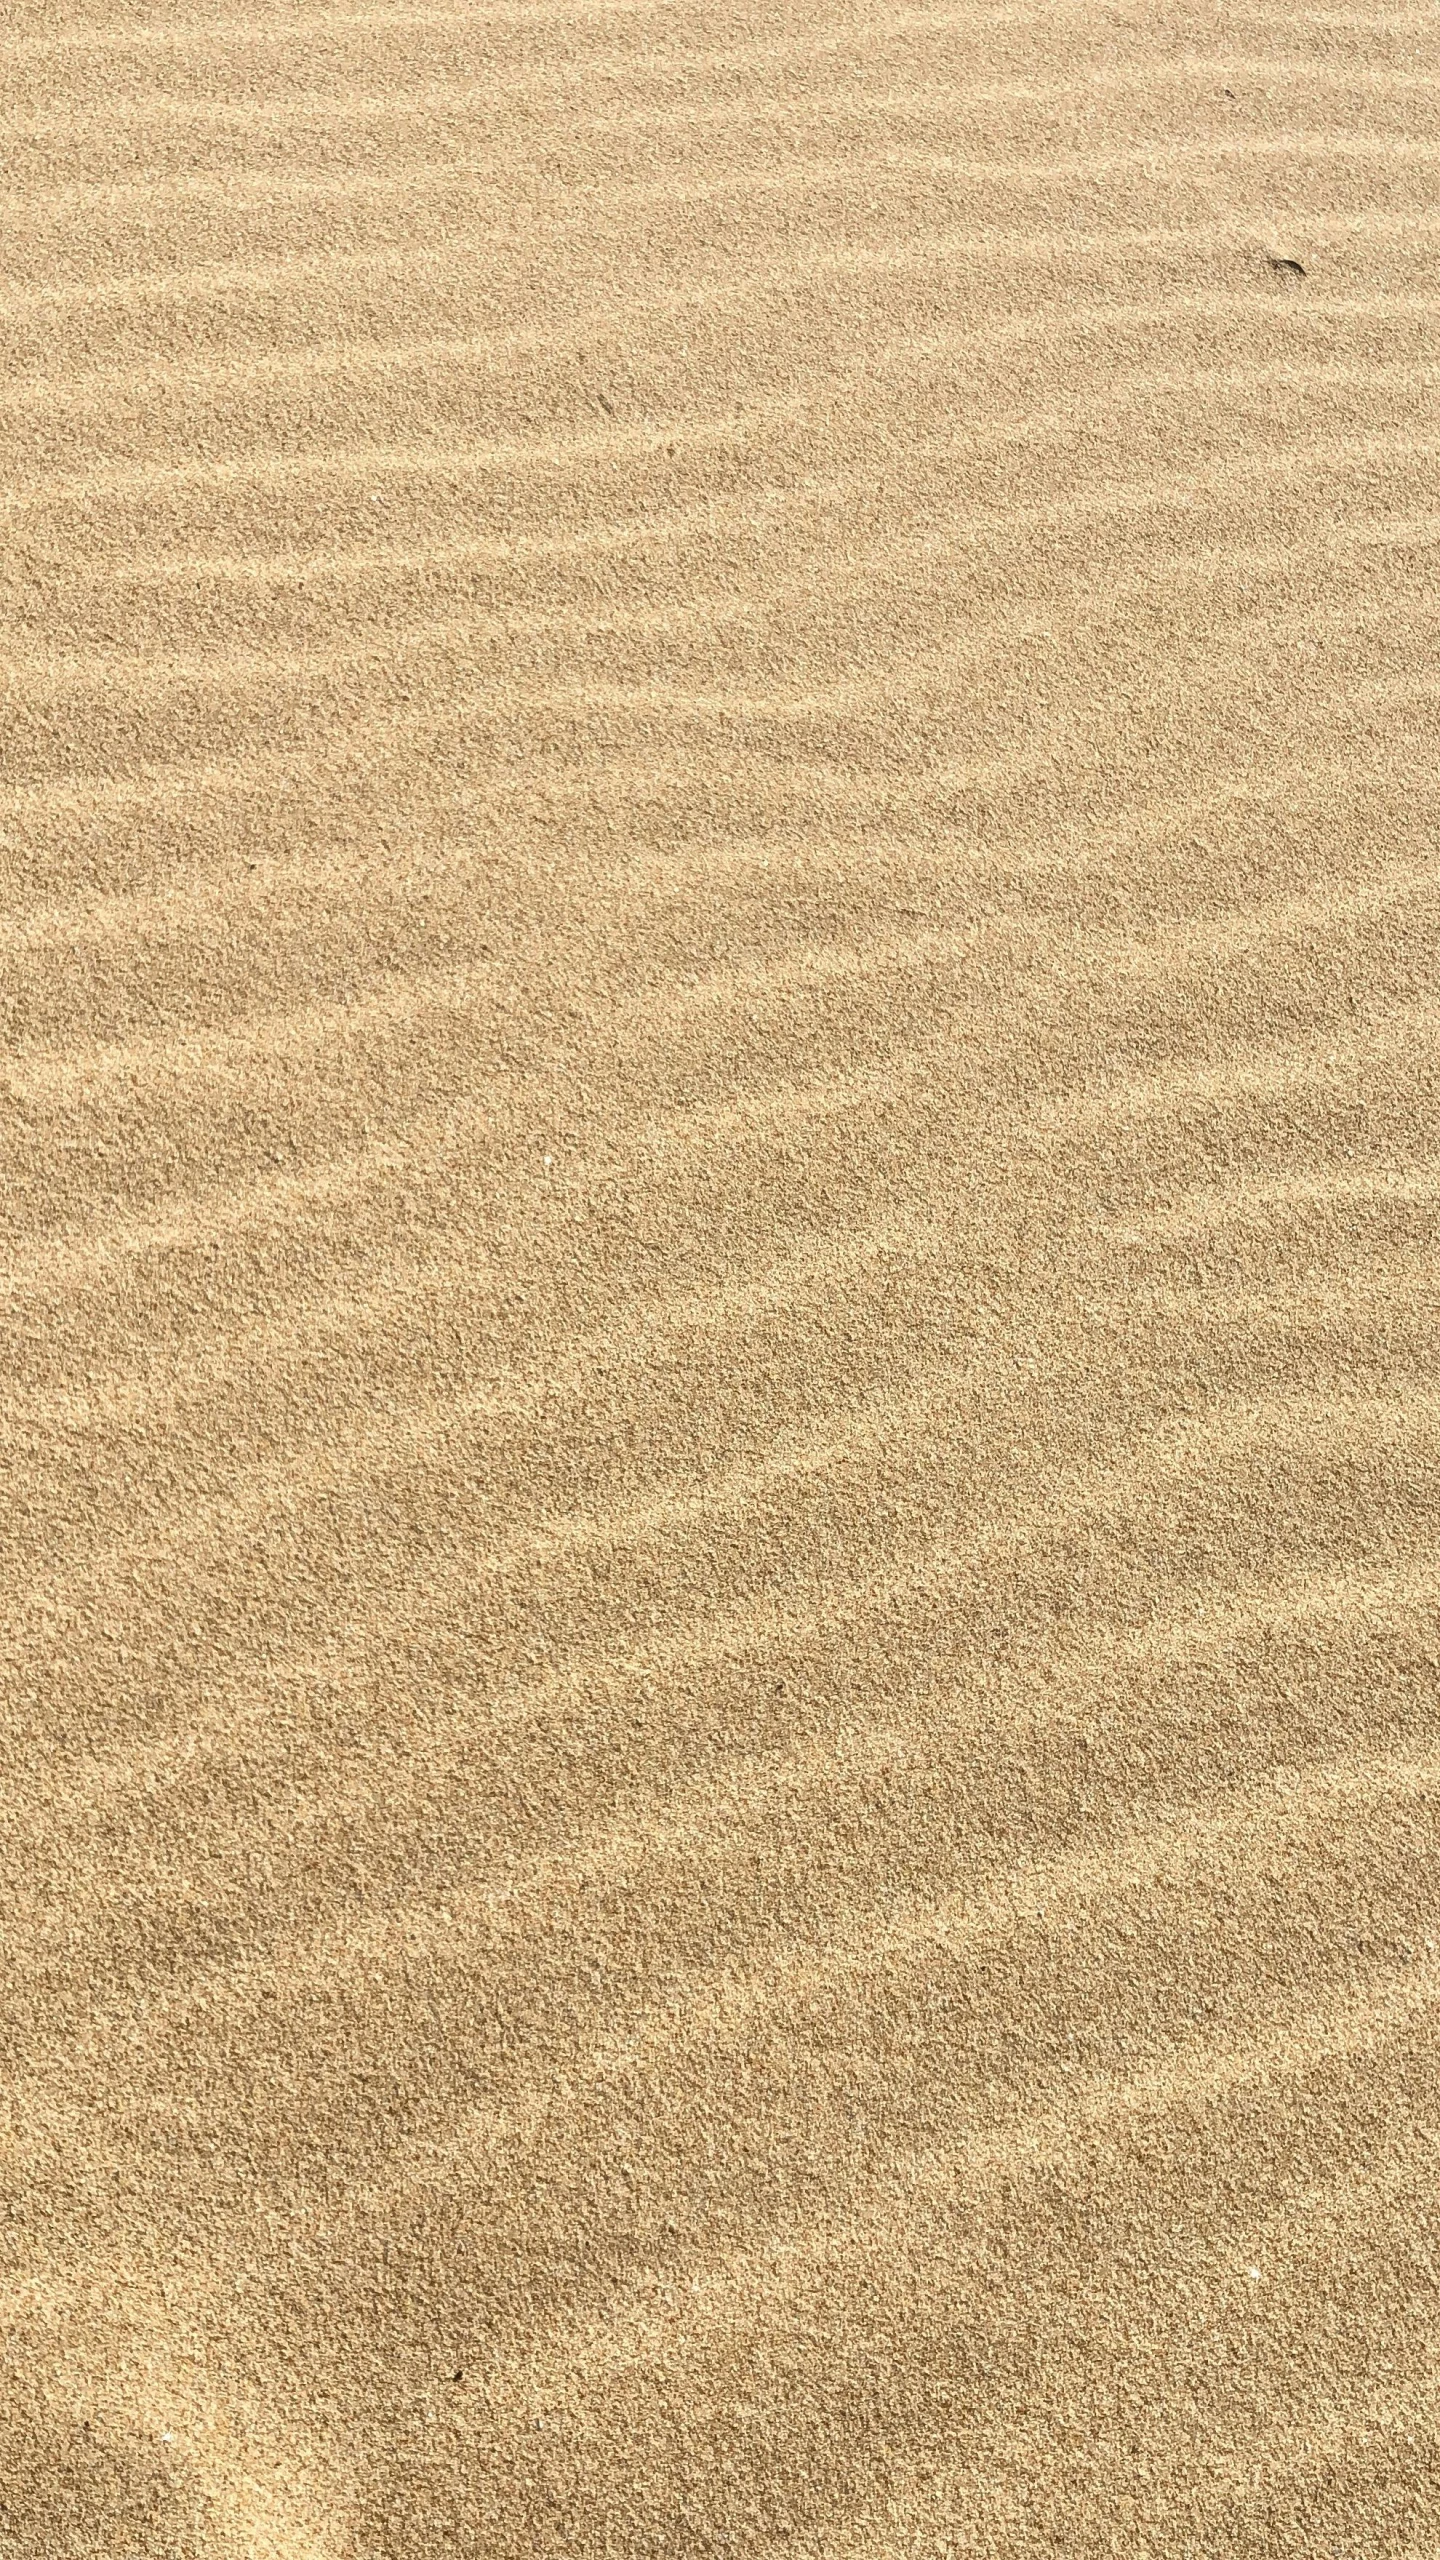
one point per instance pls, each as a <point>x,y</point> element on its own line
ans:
<point>720,1741</point>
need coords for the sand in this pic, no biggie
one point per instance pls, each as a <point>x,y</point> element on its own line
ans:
<point>720,1115</point>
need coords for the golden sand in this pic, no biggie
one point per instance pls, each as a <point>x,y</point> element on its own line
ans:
<point>720,1132</point>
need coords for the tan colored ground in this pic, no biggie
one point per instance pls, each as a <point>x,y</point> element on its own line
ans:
<point>721,942</point>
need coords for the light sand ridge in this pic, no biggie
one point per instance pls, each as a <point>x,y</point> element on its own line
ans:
<point>622,203</point>
<point>678,66</point>
<point>919,106</point>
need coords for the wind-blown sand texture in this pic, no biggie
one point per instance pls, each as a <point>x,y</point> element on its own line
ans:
<point>720,937</point>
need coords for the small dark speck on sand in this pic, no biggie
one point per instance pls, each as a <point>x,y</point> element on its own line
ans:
<point>1286,266</point>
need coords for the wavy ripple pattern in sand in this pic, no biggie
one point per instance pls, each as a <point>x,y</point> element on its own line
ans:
<point>718,958</point>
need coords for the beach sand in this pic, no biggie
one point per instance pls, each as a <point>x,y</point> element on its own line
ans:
<point>720,934</point>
